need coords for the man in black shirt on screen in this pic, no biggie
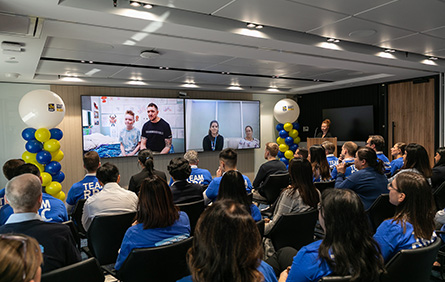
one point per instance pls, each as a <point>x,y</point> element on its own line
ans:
<point>156,133</point>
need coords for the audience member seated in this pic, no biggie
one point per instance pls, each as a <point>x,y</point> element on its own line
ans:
<point>198,175</point>
<point>415,160</point>
<point>51,210</point>
<point>320,166</point>
<point>227,162</point>
<point>20,258</point>
<point>271,166</point>
<point>158,221</point>
<point>89,185</point>
<point>368,182</point>
<point>301,153</point>
<point>182,190</point>
<point>9,172</point>
<point>413,223</point>
<point>347,249</point>
<point>377,143</point>
<point>438,171</point>
<point>145,158</point>
<point>112,200</point>
<point>347,156</point>
<point>227,247</point>
<point>24,194</point>
<point>397,152</point>
<point>232,188</point>
<point>329,150</point>
<point>300,196</point>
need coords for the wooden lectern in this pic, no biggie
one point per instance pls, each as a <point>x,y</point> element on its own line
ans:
<point>318,141</point>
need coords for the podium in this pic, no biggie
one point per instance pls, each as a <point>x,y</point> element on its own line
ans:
<point>318,141</point>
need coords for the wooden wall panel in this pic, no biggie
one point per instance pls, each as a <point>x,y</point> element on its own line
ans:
<point>411,107</point>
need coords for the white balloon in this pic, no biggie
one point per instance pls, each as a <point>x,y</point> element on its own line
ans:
<point>286,110</point>
<point>41,108</point>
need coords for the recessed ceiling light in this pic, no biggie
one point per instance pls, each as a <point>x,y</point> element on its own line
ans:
<point>235,87</point>
<point>333,40</point>
<point>190,85</point>
<point>149,54</point>
<point>136,82</point>
<point>70,79</point>
<point>148,6</point>
<point>135,4</point>
<point>389,50</point>
<point>432,58</point>
<point>259,26</point>
<point>273,89</point>
<point>251,25</point>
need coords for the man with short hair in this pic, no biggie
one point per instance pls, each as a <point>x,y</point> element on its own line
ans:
<point>89,185</point>
<point>156,133</point>
<point>227,161</point>
<point>24,194</point>
<point>330,149</point>
<point>198,175</point>
<point>9,172</point>
<point>377,143</point>
<point>301,153</point>
<point>347,156</point>
<point>182,190</point>
<point>112,200</point>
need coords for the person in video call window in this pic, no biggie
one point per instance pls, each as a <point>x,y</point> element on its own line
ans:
<point>213,141</point>
<point>129,137</point>
<point>156,133</point>
<point>248,141</point>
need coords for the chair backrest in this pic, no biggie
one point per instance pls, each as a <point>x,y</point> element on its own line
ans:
<point>194,211</point>
<point>76,216</point>
<point>380,210</point>
<point>439,196</point>
<point>261,225</point>
<point>165,263</point>
<point>74,232</point>
<point>412,265</point>
<point>86,271</point>
<point>336,278</point>
<point>321,186</point>
<point>273,185</point>
<point>105,235</point>
<point>294,230</point>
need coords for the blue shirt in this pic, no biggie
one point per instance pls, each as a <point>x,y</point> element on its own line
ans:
<point>392,239</point>
<point>367,183</point>
<point>264,268</point>
<point>307,266</point>
<point>198,176</point>
<point>332,160</point>
<point>396,164</point>
<point>83,189</point>
<point>2,197</point>
<point>255,212</point>
<point>385,161</point>
<point>137,237</point>
<point>212,190</point>
<point>349,170</point>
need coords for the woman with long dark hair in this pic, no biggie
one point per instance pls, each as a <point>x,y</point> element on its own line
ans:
<point>232,187</point>
<point>438,171</point>
<point>348,247</point>
<point>213,141</point>
<point>227,247</point>
<point>413,223</point>
<point>158,221</point>
<point>320,165</point>
<point>145,161</point>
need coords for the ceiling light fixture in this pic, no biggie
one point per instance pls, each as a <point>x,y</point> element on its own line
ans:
<point>148,6</point>
<point>139,4</point>
<point>390,50</point>
<point>432,58</point>
<point>333,40</point>
<point>149,54</point>
<point>135,4</point>
<point>189,85</point>
<point>251,25</point>
<point>273,89</point>
<point>259,26</point>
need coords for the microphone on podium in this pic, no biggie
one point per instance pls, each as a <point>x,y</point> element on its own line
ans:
<point>315,134</point>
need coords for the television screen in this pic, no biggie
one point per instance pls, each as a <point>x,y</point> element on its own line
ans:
<point>351,123</point>
<point>213,125</point>
<point>122,126</point>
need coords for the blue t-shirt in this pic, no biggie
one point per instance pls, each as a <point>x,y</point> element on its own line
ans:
<point>255,212</point>
<point>332,160</point>
<point>83,189</point>
<point>385,160</point>
<point>349,170</point>
<point>130,139</point>
<point>392,239</point>
<point>2,197</point>
<point>198,176</point>
<point>264,268</point>
<point>137,237</point>
<point>212,190</point>
<point>51,210</point>
<point>396,164</point>
<point>307,266</point>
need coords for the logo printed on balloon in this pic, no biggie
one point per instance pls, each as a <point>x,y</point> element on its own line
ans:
<point>35,109</point>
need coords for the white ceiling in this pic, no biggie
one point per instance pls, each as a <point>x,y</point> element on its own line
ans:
<point>207,42</point>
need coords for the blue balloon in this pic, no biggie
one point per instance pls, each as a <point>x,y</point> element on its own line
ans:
<point>296,125</point>
<point>293,147</point>
<point>283,134</point>
<point>280,127</point>
<point>53,168</point>
<point>56,133</point>
<point>43,157</point>
<point>287,166</point>
<point>280,154</point>
<point>33,146</point>
<point>289,141</point>
<point>285,161</point>
<point>29,134</point>
<point>59,177</point>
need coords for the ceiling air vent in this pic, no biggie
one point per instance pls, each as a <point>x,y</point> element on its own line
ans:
<point>17,25</point>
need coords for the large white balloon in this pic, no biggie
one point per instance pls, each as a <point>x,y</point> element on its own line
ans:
<point>41,108</point>
<point>286,110</point>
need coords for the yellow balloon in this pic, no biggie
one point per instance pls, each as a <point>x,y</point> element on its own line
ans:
<point>284,148</point>
<point>46,178</point>
<point>29,157</point>
<point>288,126</point>
<point>57,156</point>
<point>42,134</point>
<point>52,145</point>
<point>293,133</point>
<point>280,141</point>
<point>60,196</point>
<point>53,188</point>
<point>289,154</point>
<point>38,165</point>
<point>297,140</point>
